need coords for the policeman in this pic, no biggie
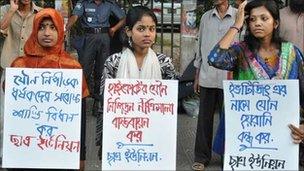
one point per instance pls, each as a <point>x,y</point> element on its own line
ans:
<point>94,18</point>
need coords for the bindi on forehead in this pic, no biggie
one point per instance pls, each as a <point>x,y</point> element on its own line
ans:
<point>47,23</point>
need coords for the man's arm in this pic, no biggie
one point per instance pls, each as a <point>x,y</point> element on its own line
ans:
<point>198,52</point>
<point>198,56</point>
<point>120,14</point>
<point>7,18</point>
<point>117,26</point>
<point>77,12</point>
<point>72,20</point>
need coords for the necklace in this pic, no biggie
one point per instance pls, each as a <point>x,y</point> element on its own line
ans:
<point>271,60</point>
<point>270,56</point>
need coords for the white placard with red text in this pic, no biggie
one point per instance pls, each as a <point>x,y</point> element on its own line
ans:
<point>257,115</point>
<point>140,124</point>
<point>42,118</point>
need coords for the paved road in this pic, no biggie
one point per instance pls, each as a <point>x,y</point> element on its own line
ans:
<point>185,143</point>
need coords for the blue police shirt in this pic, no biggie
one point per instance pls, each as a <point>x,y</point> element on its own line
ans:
<point>96,16</point>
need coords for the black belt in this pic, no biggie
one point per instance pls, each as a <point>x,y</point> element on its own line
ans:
<point>97,30</point>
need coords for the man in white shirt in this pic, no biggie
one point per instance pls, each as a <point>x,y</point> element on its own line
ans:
<point>208,80</point>
<point>292,23</point>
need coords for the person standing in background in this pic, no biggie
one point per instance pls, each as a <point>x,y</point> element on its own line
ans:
<point>292,23</point>
<point>208,80</point>
<point>95,22</point>
<point>292,30</point>
<point>16,22</point>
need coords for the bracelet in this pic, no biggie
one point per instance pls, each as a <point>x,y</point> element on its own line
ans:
<point>234,27</point>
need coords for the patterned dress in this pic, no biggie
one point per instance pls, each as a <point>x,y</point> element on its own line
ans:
<point>247,65</point>
<point>110,70</point>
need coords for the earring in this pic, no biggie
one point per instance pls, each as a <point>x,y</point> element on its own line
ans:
<point>130,41</point>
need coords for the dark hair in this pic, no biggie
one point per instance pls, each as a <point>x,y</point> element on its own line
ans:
<point>253,42</point>
<point>134,15</point>
<point>296,6</point>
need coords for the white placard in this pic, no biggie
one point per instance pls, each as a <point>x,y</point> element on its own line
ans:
<point>42,118</point>
<point>140,124</point>
<point>257,115</point>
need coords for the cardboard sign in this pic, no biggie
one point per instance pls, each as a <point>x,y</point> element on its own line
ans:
<point>42,117</point>
<point>257,115</point>
<point>140,125</point>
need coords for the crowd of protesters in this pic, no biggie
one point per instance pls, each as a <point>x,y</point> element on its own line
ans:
<point>33,38</point>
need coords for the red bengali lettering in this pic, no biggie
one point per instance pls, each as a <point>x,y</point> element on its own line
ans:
<point>158,89</point>
<point>58,142</point>
<point>147,106</point>
<point>119,88</point>
<point>114,105</point>
<point>133,122</point>
<point>135,136</point>
<point>19,140</point>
